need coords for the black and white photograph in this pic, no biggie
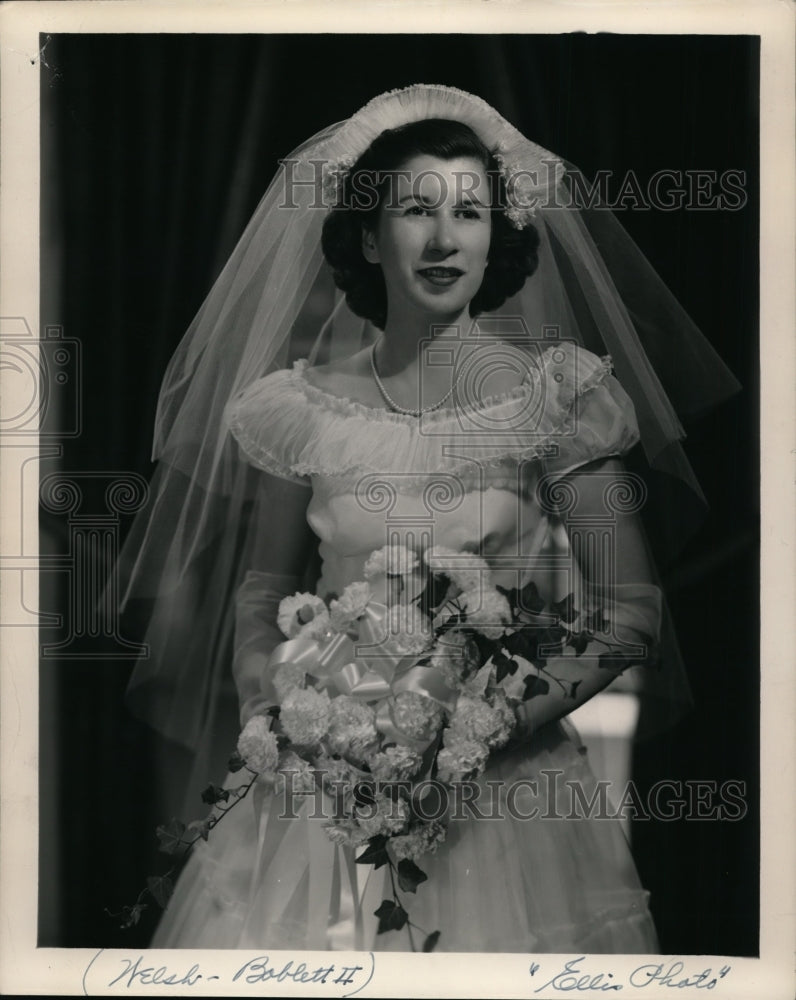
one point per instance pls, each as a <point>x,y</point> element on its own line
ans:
<point>386,461</point>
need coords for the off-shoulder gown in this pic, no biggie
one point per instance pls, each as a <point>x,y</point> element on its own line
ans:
<point>551,883</point>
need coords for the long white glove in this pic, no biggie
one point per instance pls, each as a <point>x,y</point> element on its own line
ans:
<point>634,611</point>
<point>256,635</point>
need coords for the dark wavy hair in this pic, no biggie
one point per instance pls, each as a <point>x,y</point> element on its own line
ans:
<point>512,252</point>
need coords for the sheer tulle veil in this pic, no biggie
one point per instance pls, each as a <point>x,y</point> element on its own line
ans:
<point>275,301</point>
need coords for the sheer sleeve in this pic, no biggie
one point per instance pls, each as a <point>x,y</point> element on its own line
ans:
<point>279,555</point>
<point>596,536</point>
<point>600,423</point>
<point>256,634</point>
<point>270,421</point>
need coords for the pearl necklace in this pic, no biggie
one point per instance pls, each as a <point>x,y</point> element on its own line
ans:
<point>402,409</point>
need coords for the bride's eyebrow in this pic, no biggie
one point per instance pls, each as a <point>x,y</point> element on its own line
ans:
<point>467,199</point>
<point>471,201</point>
<point>414,196</point>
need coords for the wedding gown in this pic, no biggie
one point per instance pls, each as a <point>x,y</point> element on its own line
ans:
<point>552,883</point>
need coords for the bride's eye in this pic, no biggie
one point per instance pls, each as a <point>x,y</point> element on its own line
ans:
<point>416,210</point>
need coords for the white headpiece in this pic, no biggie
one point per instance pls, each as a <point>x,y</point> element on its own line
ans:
<point>531,173</point>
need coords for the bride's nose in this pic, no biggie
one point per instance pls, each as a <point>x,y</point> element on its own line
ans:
<point>442,239</point>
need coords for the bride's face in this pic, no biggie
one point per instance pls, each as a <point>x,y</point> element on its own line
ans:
<point>432,237</point>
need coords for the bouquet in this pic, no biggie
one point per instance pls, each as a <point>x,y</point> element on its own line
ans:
<point>405,683</point>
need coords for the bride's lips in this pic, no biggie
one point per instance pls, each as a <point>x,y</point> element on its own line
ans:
<point>441,275</point>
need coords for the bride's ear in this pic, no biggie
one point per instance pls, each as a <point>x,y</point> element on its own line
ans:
<point>369,249</point>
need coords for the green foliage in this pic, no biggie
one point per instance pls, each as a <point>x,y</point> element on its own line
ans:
<point>375,853</point>
<point>431,941</point>
<point>392,916</point>
<point>565,609</point>
<point>213,794</point>
<point>170,836</point>
<point>161,887</point>
<point>410,876</point>
<point>534,686</point>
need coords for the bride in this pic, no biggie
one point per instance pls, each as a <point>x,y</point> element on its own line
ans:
<point>475,382</point>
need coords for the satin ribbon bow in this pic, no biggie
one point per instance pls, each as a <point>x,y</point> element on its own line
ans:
<point>344,666</point>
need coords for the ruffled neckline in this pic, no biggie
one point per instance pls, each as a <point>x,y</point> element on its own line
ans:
<point>353,407</point>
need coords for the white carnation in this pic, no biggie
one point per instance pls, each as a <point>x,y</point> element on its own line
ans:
<point>352,726</point>
<point>257,745</point>
<point>394,763</point>
<point>346,833</point>
<point>385,816</point>
<point>391,560</point>
<point>305,715</point>
<point>415,715</point>
<point>287,678</point>
<point>420,840</point>
<point>337,777</point>
<point>502,705</point>
<point>409,629</point>
<point>303,615</point>
<point>350,606</point>
<point>467,570</point>
<point>475,719</point>
<point>295,774</point>
<point>460,758</point>
<point>487,611</point>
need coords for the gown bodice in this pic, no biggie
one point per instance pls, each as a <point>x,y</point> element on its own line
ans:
<point>469,478</point>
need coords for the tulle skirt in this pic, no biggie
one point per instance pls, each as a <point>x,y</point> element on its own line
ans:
<point>534,864</point>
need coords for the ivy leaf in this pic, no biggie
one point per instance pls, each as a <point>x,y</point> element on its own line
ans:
<point>530,599</point>
<point>202,827</point>
<point>486,647</point>
<point>579,642</point>
<point>565,609</point>
<point>573,688</point>
<point>170,835</point>
<point>534,686</point>
<point>392,916</point>
<point>409,875</point>
<point>236,762</point>
<point>132,915</point>
<point>553,635</point>
<point>503,665</point>
<point>282,742</point>
<point>511,595</point>
<point>523,643</point>
<point>213,794</point>
<point>161,888</point>
<point>431,941</point>
<point>375,853</point>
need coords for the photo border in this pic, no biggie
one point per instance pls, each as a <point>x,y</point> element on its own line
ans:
<point>27,969</point>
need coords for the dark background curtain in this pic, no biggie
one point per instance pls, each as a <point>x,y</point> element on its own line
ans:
<point>155,151</point>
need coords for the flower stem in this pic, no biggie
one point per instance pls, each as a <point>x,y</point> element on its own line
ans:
<point>395,896</point>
